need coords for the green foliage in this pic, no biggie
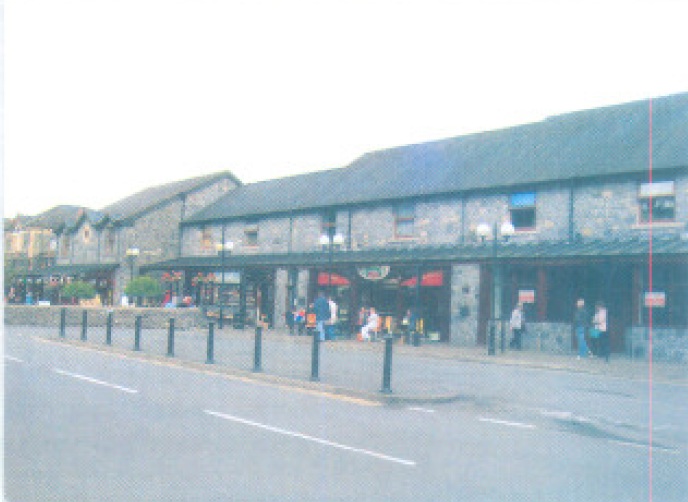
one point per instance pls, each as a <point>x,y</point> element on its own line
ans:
<point>79,289</point>
<point>145,287</point>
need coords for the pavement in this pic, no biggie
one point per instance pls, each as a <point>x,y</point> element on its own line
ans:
<point>430,373</point>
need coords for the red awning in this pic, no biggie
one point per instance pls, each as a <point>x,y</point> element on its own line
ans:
<point>337,280</point>
<point>433,279</point>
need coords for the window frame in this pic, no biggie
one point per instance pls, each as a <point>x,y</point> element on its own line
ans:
<point>405,214</point>
<point>652,193</point>
<point>522,207</point>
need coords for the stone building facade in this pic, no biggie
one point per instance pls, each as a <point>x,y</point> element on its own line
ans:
<point>584,211</point>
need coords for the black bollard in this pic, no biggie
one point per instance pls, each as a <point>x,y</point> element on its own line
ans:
<point>315,357</point>
<point>491,341</point>
<point>416,339</point>
<point>387,366</point>
<point>63,322</point>
<point>108,329</point>
<point>219,320</point>
<point>84,324</point>
<point>137,333</point>
<point>211,343</point>
<point>170,339</point>
<point>258,353</point>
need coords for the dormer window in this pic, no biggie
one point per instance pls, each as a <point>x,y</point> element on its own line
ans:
<point>657,202</point>
<point>404,220</point>
<point>251,234</point>
<point>522,211</point>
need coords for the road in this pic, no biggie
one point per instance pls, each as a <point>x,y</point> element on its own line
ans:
<point>81,424</point>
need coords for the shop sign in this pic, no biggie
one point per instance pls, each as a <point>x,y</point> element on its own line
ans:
<point>374,273</point>
<point>526,296</point>
<point>228,277</point>
<point>655,299</point>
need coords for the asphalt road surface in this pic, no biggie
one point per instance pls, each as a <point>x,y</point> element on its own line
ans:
<point>85,425</point>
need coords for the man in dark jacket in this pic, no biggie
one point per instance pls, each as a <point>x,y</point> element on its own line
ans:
<point>321,307</point>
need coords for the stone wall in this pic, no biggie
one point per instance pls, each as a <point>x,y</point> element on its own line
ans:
<point>465,292</point>
<point>20,315</point>
<point>668,344</point>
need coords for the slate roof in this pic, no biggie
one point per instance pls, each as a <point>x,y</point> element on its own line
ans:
<point>600,142</point>
<point>136,205</point>
<point>56,217</point>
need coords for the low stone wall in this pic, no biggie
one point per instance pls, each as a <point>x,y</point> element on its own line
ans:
<point>549,337</point>
<point>668,344</point>
<point>45,316</point>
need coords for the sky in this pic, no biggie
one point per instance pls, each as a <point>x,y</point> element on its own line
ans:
<point>103,98</point>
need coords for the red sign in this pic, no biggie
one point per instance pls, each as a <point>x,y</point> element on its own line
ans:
<point>526,296</point>
<point>655,299</point>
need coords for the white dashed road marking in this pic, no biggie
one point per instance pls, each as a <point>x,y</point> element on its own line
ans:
<point>507,423</point>
<point>95,381</point>
<point>325,442</point>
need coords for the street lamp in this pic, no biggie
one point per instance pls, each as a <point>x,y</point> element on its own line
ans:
<point>223,248</point>
<point>328,244</point>
<point>506,231</point>
<point>132,254</point>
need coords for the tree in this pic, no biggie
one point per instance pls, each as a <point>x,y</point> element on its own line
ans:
<point>79,289</point>
<point>145,287</point>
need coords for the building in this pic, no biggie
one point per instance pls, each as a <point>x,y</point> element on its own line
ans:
<point>590,204</point>
<point>108,246</point>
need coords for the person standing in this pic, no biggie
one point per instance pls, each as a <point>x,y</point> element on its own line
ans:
<point>599,322</point>
<point>332,323</point>
<point>372,324</point>
<point>580,323</point>
<point>321,309</point>
<point>516,324</point>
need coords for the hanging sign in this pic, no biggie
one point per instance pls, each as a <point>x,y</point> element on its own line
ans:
<point>655,299</point>
<point>374,273</point>
<point>526,296</point>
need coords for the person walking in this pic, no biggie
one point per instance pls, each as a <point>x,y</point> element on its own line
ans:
<point>321,309</point>
<point>580,323</point>
<point>516,324</point>
<point>599,322</point>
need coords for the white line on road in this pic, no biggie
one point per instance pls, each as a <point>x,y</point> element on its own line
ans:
<point>15,359</point>
<point>310,438</point>
<point>504,422</point>
<point>94,380</point>
<point>644,446</point>
<point>422,410</point>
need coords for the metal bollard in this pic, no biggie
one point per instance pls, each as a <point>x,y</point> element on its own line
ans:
<point>387,366</point>
<point>416,339</point>
<point>63,322</point>
<point>491,341</point>
<point>137,333</point>
<point>211,343</point>
<point>170,339</point>
<point>84,325</point>
<point>315,357</point>
<point>108,329</point>
<point>258,352</point>
<point>219,320</point>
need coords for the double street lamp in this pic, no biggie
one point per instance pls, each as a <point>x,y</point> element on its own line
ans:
<point>505,231</point>
<point>223,248</point>
<point>329,243</point>
<point>132,254</point>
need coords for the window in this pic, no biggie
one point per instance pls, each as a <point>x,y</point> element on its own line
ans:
<point>206,239</point>
<point>87,234</point>
<point>329,224</point>
<point>658,200</point>
<point>109,242</point>
<point>404,218</point>
<point>251,234</point>
<point>522,210</point>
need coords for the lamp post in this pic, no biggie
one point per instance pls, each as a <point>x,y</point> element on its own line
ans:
<point>223,248</point>
<point>132,254</point>
<point>506,230</point>
<point>328,243</point>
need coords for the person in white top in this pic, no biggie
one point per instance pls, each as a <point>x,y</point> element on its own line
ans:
<point>331,328</point>
<point>516,325</point>
<point>599,322</point>
<point>372,323</point>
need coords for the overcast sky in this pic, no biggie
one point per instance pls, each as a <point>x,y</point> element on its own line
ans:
<point>106,97</point>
